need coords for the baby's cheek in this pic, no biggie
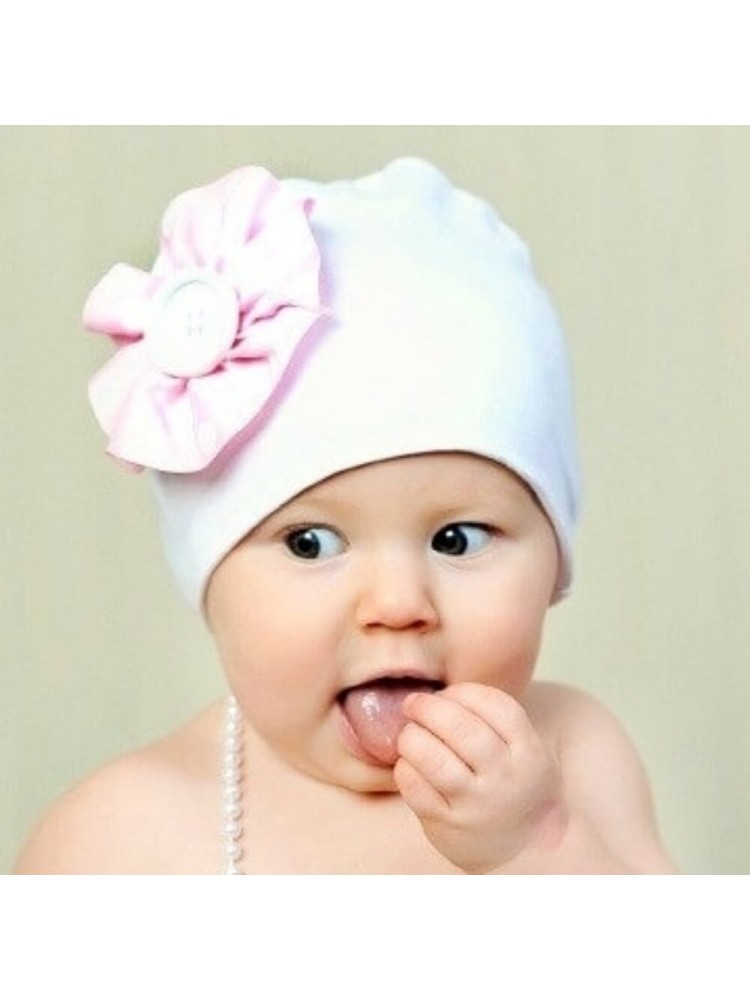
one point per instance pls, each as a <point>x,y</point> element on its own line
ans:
<point>505,657</point>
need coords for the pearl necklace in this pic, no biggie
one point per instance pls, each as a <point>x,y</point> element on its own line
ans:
<point>231,786</point>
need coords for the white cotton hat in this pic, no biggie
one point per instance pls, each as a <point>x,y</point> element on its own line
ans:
<point>438,338</point>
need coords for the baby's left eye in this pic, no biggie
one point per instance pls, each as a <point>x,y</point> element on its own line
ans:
<point>461,539</point>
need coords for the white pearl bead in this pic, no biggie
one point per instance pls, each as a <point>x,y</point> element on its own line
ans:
<point>232,809</point>
<point>231,790</point>
<point>232,850</point>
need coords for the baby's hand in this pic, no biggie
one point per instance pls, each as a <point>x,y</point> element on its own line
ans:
<point>483,784</point>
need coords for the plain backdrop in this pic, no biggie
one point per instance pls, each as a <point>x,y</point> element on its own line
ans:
<point>640,233</point>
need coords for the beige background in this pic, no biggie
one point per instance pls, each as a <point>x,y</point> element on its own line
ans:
<point>642,236</point>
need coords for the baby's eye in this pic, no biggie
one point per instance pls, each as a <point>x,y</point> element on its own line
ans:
<point>461,539</point>
<point>314,543</point>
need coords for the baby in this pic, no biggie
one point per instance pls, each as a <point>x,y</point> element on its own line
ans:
<point>355,402</point>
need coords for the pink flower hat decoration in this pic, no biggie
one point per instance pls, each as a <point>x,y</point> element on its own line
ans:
<point>205,338</point>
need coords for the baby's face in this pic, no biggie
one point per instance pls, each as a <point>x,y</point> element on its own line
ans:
<point>437,568</point>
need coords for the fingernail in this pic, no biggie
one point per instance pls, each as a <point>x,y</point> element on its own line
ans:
<point>409,700</point>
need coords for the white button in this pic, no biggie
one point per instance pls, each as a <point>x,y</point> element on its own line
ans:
<point>193,323</point>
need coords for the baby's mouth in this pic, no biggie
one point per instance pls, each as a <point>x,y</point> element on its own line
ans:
<point>374,712</point>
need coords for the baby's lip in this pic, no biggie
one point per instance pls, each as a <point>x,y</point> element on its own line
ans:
<point>399,677</point>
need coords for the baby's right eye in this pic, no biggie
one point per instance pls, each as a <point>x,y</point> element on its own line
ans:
<point>314,542</point>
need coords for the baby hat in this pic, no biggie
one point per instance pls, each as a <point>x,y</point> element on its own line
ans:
<point>290,330</point>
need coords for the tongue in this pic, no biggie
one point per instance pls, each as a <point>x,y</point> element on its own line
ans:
<point>374,713</point>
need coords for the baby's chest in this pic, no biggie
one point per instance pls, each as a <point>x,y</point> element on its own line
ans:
<point>320,850</point>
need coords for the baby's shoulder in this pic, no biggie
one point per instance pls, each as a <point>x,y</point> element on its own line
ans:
<point>581,729</point>
<point>142,813</point>
<point>604,780</point>
<point>555,708</point>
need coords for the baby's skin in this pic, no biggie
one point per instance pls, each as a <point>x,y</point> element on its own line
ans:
<point>380,634</point>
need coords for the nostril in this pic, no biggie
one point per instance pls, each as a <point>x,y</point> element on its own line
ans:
<point>418,625</point>
<point>418,616</point>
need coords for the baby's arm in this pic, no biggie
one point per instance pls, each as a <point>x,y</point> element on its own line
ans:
<point>496,792</point>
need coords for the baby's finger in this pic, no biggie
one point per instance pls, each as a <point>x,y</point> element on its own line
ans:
<point>461,730</point>
<point>499,710</point>
<point>434,760</point>
<point>417,792</point>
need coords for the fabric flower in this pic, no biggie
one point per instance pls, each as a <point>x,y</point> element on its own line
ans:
<point>206,336</point>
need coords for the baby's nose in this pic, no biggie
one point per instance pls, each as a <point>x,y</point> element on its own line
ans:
<point>396,592</point>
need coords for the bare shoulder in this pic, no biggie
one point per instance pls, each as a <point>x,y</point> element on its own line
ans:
<point>605,781</point>
<point>151,811</point>
<point>565,712</point>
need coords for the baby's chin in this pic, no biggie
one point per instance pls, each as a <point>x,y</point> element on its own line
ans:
<point>354,775</point>
<point>366,779</point>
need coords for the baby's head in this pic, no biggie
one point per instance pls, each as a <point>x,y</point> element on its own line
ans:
<point>292,331</point>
